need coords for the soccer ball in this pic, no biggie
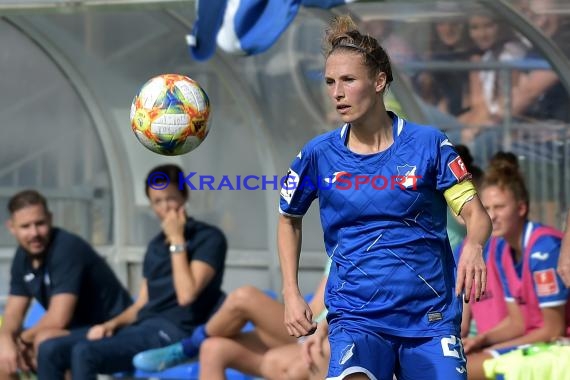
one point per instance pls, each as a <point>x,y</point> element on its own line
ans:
<point>170,114</point>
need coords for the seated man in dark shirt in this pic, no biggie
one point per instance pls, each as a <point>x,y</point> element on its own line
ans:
<point>181,288</point>
<point>64,274</point>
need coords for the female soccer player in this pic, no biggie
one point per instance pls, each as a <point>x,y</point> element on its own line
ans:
<point>537,307</point>
<point>383,186</point>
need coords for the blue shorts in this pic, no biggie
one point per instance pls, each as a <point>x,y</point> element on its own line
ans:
<point>380,356</point>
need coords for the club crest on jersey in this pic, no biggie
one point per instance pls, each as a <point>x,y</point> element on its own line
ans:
<point>335,176</point>
<point>458,169</point>
<point>408,173</point>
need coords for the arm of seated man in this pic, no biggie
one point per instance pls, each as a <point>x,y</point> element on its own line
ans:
<point>57,316</point>
<point>14,313</point>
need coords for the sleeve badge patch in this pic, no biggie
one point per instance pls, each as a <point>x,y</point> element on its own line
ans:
<point>458,169</point>
<point>545,282</point>
<point>289,186</point>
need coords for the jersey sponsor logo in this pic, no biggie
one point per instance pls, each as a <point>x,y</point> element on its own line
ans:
<point>546,282</point>
<point>408,174</point>
<point>29,277</point>
<point>343,180</point>
<point>348,352</point>
<point>290,185</point>
<point>460,369</point>
<point>445,142</point>
<point>539,255</point>
<point>458,169</point>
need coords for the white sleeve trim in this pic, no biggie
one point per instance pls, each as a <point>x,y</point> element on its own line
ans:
<point>291,215</point>
<point>552,303</point>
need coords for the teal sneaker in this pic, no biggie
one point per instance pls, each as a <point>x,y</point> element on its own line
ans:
<point>158,359</point>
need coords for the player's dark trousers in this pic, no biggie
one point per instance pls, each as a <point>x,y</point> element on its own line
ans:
<point>54,354</point>
<point>115,354</point>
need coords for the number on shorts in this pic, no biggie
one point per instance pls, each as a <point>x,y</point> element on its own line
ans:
<point>448,345</point>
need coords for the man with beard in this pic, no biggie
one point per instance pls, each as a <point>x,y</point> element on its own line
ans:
<point>64,274</point>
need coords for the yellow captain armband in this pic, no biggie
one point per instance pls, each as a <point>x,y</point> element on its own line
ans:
<point>457,195</point>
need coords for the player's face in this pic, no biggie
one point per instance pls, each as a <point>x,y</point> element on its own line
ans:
<point>506,213</point>
<point>483,31</point>
<point>31,226</point>
<point>165,200</point>
<point>349,84</point>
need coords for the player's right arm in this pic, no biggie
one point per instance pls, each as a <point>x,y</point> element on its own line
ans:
<point>298,315</point>
<point>14,314</point>
<point>127,317</point>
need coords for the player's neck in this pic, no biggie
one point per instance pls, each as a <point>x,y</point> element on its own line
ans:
<point>372,135</point>
<point>515,241</point>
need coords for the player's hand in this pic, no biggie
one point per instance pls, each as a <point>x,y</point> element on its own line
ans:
<point>173,225</point>
<point>471,272</point>
<point>564,267</point>
<point>8,355</point>
<point>298,316</point>
<point>103,330</point>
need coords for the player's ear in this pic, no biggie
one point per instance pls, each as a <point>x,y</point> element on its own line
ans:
<point>522,209</point>
<point>9,224</point>
<point>380,83</point>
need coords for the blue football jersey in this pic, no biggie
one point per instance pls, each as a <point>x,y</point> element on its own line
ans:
<point>542,263</point>
<point>384,222</point>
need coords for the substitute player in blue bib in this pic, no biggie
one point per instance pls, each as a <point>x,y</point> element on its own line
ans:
<point>383,186</point>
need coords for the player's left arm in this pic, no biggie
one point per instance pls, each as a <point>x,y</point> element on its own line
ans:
<point>553,327</point>
<point>471,270</point>
<point>454,181</point>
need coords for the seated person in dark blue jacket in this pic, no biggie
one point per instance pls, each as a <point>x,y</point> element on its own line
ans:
<point>64,274</point>
<point>181,287</point>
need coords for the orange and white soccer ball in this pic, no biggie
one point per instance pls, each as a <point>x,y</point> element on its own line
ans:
<point>170,114</point>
